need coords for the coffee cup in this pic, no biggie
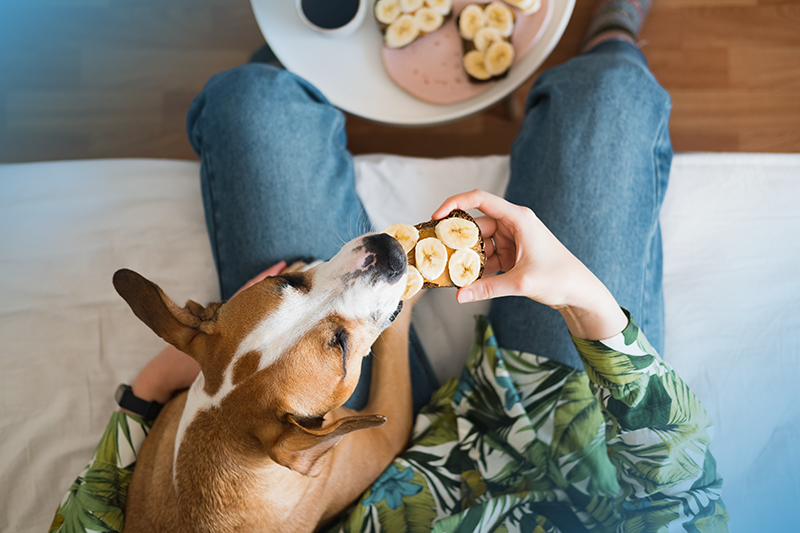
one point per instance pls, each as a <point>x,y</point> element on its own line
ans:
<point>335,18</point>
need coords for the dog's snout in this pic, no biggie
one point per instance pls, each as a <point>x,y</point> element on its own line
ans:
<point>387,256</point>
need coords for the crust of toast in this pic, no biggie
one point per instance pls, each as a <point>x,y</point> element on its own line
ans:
<point>427,229</point>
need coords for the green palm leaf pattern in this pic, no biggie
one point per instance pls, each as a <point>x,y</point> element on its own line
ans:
<point>577,417</point>
<point>96,500</point>
<point>591,468</point>
<point>506,513</point>
<point>609,368</point>
<point>518,443</point>
<point>664,439</point>
<point>481,518</point>
<point>436,423</point>
<point>713,519</point>
<point>622,372</point>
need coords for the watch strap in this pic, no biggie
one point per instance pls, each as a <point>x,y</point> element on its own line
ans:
<point>129,401</point>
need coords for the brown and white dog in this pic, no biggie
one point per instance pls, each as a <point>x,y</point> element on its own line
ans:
<point>252,445</point>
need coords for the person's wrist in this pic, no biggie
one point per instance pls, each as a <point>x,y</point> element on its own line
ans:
<point>593,313</point>
<point>167,373</point>
<point>594,324</point>
<point>150,391</point>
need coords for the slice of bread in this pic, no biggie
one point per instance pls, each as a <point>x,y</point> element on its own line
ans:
<point>427,229</point>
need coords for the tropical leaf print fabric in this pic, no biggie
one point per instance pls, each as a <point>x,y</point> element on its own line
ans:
<point>523,444</point>
<point>96,499</point>
<point>518,443</point>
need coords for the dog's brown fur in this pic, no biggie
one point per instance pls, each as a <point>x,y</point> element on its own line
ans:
<point>265,460</point>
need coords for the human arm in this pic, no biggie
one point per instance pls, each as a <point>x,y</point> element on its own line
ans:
<point>536,265</point>
<point>657,436</point>
<point>657,433</point>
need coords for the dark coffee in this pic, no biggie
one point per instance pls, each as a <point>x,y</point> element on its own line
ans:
<point>330,14</point>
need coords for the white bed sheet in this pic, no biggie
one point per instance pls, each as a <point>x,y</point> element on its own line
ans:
<point>731,232</point>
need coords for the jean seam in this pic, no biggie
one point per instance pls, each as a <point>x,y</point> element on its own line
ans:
<point>213,231</point>
<point>654,222</point>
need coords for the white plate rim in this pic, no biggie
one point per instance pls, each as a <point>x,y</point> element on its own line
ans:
<point>360,86</point>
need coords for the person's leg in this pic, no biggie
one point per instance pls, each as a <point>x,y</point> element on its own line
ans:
<point>277,178</point>
<point>592,160</point>
<point>278,182</point>
<point>618,20</point>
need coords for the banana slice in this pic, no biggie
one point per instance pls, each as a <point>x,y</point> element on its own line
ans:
<point>401,32</point>
<point>409,6</point>
<point>500,17</point>
<point>406,234</point>
<point>413,283</point>
<point>498,58</point>
<point>464,267</point>
<point>428,20</point>
<point>386,11</point>
<point>431,258</point>
<point>527,7</point>
<point>430,251</point>
<point>440,6</point>
<point>471,19</point>
<point>473,64</point>
<point>457,233</point>
<point>486,36</point>
<point>535,6</point>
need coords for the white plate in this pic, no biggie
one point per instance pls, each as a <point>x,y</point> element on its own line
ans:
<point>349,70</point>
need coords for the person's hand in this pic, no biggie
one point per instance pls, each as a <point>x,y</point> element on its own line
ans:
<point>536,265</point>
<point>172,370</point>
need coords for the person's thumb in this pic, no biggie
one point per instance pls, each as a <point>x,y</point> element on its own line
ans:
<point>487,288</point>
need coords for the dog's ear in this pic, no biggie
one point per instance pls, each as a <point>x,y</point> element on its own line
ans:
<point>305,449</point>
<point>177,325</point>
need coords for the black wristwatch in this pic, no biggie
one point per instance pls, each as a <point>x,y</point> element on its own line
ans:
<point>128,400</point>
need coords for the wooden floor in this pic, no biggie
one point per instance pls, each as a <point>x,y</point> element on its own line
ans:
<point>114,78</point>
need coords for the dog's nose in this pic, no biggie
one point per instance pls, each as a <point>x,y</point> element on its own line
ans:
<point>388,258</point>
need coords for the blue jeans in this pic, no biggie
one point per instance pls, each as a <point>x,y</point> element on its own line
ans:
<point>591,159</point>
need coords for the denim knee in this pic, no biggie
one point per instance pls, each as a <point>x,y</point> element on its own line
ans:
<point>241,99</point>
<point>612,83</point>
<point>619,68</point>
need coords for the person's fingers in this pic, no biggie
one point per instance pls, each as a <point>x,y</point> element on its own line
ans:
<point>487,203</point>
<point>492,265</point>
<point>506,251</point>
<point>487,288</point>
<point>487,226</point>
<point>274,270</point>
<point>504,221</point>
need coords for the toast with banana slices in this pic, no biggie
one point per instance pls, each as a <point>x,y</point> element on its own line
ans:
<point>404,21</point>
<point>485,31</point>
<point>441,253</point>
